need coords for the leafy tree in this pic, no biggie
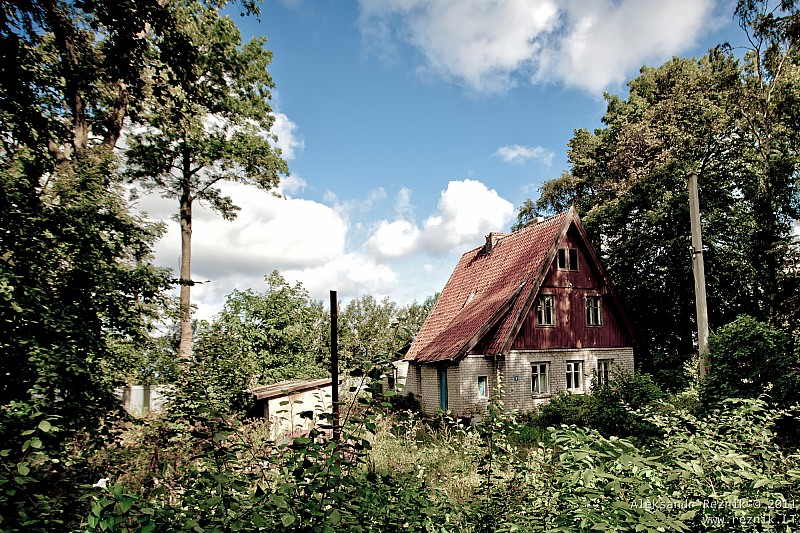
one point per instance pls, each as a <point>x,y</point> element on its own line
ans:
<point>368,331</point>
<point>77,290</point>
<point>208,122</point>
<point>259,339</point>
<point>749,358</point>
<point>627,180</point>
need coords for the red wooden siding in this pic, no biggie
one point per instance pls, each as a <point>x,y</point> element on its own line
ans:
<point>570,289</point>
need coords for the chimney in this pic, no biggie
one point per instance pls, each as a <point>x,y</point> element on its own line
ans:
<point>534,220</point>
<point>492,239</point>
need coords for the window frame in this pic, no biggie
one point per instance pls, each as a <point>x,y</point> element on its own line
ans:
<point>541,310</point>
<point>536,375</point>
<point>574,373</point>
<point>604,371</point>
<point>485,380</point>
<point>594,313</point>
<point>567,259</point>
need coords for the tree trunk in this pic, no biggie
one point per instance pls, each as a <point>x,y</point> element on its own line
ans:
<point>185,347</point>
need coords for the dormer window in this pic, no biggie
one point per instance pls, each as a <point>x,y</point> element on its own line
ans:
<point>568,259</point>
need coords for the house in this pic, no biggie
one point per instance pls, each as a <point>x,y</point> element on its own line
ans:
<point>534,308</point>
<point>292,406</point>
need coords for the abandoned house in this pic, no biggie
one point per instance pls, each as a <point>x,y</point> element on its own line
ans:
<point>533,307</point>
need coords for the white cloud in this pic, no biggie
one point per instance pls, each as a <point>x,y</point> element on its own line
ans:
<point>519,154</point>
<point>289,140</point>
<point>491,46</point>
<point>393,239</point>
<point>467,210</point>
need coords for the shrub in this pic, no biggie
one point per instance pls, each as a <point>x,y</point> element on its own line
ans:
<point>748,358</point>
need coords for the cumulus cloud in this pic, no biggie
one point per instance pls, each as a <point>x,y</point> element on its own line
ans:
<point>491,46</point>
<point>289,141</point>
<point>518,154</point>
<point>467,210</point>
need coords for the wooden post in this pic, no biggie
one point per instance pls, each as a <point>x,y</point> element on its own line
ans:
<point>335,363</point>
<point>699,277</point>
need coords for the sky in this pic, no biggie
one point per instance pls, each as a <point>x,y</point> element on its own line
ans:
<point>413,128</point>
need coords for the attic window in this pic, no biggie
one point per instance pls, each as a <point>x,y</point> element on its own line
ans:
<point>568,259</point>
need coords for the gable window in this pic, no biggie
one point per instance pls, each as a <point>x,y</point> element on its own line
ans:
<point>540,383</point>
<point>545,315</point>
<point>603,371</point>
<point>483,386</point>
<point>568,259</point>
<point>574,375</point>
<point>594,315</point>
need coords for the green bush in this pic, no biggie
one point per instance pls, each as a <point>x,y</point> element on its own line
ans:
<point>608,408</point>
<point>747,359</point>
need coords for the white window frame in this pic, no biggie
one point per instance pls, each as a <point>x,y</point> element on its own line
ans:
<point>567,259</point>
<point>574,376</point>
<point>604,371</point>
<point>485,380</point>
<point>541,310</point>
<point>538,377</point>
<point>594,311</point>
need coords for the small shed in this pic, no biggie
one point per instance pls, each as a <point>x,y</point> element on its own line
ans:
<point>293,406</point>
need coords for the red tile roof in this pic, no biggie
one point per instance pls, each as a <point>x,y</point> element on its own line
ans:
<point>489,293</point>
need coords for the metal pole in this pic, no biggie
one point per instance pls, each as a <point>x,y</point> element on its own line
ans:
<point>699,277</point>
<point>335,363</point>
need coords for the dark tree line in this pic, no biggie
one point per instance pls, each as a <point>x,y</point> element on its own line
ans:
<point>733,122</point>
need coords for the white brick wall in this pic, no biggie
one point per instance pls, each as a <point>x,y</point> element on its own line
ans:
<point>515,373</point>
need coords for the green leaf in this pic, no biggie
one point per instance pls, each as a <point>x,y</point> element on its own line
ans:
<point>335,518</point>
<point>23,469</point>
<point>45,426</point>
<point>287,520</point>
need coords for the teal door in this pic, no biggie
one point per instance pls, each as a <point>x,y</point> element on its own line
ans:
<point>443,389</point>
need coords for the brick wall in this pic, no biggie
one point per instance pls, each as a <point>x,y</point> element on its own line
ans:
<point>514,372</point>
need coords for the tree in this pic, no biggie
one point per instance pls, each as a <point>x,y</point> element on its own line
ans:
<point>76,283</point>
<point>768,98</point>
<point>208,122</point>
<point>628,182</point>
<point>749,358</point>
<point>260,338</point>
<point>368,331</point>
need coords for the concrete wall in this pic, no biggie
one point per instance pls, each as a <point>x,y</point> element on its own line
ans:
<point>283,412</point>
<point>515,374</point>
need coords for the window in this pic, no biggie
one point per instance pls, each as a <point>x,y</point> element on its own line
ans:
<point>568,259</point>
<point>539,381</point>
<point>603,371</point>
<point>483,387</point>
<point>544,311</point>
<point>593,311</point>
<point>574,375</point>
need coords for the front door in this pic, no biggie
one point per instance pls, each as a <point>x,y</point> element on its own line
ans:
<point>443,389</point>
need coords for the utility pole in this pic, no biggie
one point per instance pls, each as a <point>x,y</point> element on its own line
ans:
<point>335,363</point>
<point>699,277</point>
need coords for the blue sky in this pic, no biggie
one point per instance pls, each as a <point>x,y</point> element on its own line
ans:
<point>413,128</point>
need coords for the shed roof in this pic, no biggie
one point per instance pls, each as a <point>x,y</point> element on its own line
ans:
<point>489,293</point>
<point>284,388</point>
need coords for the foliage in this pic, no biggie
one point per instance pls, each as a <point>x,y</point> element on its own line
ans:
<point>214,474</point>
<point>730,122</point>
<point>749,358</point>
<point>259,339</point>
<point>608,408</point>
<point>207,122</point>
